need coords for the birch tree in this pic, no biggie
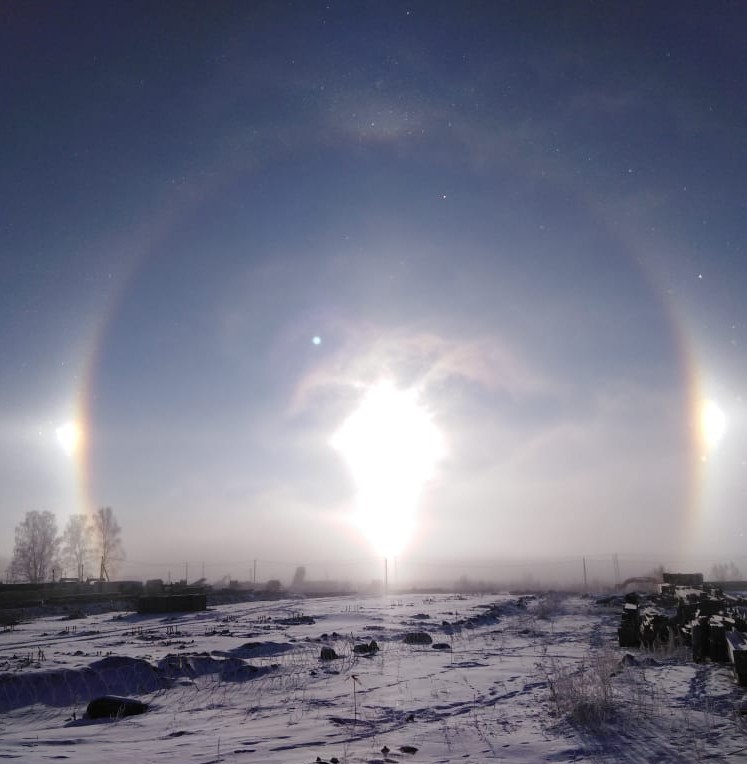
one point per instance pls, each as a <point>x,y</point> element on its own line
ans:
<point>35,554</point>
<point>77,545</point>
<point>107,540</point>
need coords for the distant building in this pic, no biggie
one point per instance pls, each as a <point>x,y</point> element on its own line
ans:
<point>171,603</point>
<point>683,579</point>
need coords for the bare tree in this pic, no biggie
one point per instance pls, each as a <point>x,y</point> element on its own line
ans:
<point>77,544</point>
<point>36,548</point>
<point>724,572</point>
<point>108,540</point>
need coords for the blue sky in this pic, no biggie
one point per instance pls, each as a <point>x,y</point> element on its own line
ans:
<point>532,214</point>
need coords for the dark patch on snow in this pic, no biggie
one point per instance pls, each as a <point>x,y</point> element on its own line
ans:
<point>296,620</point>
<point>418,638</point>
<point>114,707</point>
<point>256,650</point>
<point>370,648</point>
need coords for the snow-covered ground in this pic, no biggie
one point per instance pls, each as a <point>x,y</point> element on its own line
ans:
<point>513,680</point>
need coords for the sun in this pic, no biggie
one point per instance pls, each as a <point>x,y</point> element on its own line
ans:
<point>69,436</point>
<point>391,447</point>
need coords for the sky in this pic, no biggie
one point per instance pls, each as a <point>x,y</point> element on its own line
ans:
<point>505,241</point>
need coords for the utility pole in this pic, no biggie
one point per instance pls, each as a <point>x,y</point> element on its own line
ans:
<point>386,576</point>
<point>616,563</point>
<point>586,583</point>
<point>186,572</point>
<point>255,573</point>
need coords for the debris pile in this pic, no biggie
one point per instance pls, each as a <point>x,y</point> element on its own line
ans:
<point>712,623</point>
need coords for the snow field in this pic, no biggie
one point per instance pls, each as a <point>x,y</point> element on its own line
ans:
<point>523,681</point>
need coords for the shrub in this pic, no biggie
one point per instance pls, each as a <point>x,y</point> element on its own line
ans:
<point>584,692</point>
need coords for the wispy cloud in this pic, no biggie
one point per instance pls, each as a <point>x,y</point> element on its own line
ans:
<point>420,359</point>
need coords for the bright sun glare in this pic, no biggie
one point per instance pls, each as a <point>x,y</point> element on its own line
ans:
<point>391,447</point>
<point>712,424</point>
<point>69,437</point>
